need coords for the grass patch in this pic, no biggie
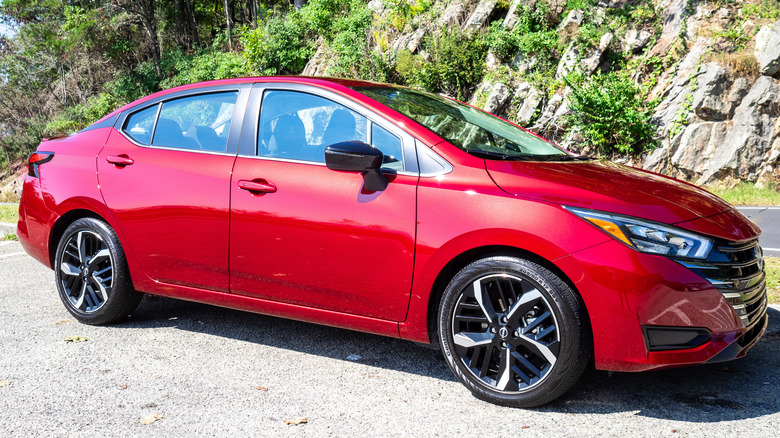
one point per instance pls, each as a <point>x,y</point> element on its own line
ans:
<point>773,279</point>
<point>748,194</point>
<point>11,236</point>
<point>9,213</point>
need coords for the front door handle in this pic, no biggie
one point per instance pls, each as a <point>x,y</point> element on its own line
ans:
<point>120,160</point>
<point>257,186</point>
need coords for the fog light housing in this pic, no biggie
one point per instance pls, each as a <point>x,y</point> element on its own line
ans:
<point>674,338</point>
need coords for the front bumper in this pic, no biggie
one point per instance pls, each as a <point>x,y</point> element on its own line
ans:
<point>625,292</point>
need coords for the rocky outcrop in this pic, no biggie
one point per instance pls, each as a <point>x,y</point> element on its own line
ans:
<point>480,16</point>
<point>318,64</point>
<point>768,48</point>
<point>453,15</point>
<point>709,99</point>
<point>531,99</point>
<point>751,136</point>
<point>572,22</point>
<point>673,14</point>
<point>585,60</point>
<point>677,93</point>
<point>636,40</point>
<point>498,99</point>
<point>515,9</point>
<point>717,119</point>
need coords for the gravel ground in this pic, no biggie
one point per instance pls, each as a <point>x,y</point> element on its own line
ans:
<point>205,371</point>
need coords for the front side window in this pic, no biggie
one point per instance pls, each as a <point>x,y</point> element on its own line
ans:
<point>299,126</point>
<point>390,145</point>
<point>196,122</point>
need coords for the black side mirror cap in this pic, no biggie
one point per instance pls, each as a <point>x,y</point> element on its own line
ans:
<point>356,156</point>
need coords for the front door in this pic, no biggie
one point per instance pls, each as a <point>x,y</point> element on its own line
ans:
<point>306,235</point>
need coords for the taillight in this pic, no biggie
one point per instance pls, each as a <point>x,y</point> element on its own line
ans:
<point>36,159</point>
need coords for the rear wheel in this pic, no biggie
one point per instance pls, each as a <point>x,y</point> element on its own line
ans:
<point>91,273</point>
<point>513,332</point>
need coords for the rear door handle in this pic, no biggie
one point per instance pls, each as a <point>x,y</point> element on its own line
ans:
<point>120,160</point>
<point>257,186</point>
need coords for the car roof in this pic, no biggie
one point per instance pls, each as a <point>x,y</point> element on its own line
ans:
<point>326,82</point>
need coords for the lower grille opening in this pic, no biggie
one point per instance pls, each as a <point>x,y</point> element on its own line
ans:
<point>674,338</point>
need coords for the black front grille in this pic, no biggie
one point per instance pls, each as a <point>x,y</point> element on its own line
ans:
<point>737,271</point>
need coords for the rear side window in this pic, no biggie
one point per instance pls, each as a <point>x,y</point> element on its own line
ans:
<point>199,122</point>
<point>196,122</point>
<point>139,125</point>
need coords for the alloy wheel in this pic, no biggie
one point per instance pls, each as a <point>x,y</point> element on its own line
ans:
<point>505,332</point>
<point>87,271</point>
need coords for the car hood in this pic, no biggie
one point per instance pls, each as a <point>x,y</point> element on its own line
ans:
<point>606,186</point>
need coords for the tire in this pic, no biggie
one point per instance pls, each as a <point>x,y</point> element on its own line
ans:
<point>513,332</point>
<point>91,272</point>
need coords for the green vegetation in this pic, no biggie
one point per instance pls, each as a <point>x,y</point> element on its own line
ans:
<point>773,279</point>
<point>11,236</point>
<point>455,67</point>
<point>611,115</point>
<point>69,62</point>
<point>746,193</point>
<point>9,213</point>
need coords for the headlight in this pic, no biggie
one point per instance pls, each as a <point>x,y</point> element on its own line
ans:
<point>646,236</point>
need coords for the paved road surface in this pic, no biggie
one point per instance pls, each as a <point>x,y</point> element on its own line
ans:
<point>768,218</point>
<point>198,367</point>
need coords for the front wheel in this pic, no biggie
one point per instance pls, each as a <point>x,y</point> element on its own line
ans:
<point>91,273</point>
<point>513,332</point>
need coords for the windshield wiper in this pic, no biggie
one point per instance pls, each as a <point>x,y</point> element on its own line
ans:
<point>569,157</point>
<point>489,155</point>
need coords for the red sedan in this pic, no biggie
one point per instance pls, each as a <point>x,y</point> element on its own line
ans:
<point>397,212</point>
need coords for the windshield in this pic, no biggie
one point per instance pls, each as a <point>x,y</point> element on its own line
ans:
<point>470,129</point>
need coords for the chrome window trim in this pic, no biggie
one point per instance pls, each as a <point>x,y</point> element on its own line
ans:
<point>119,124</point>
<point>408,142</point>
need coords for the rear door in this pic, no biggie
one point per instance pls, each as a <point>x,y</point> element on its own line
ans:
<point>312,236</point>
<point>165,176</point>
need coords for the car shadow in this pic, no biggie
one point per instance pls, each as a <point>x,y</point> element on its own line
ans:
<point>741,389</point>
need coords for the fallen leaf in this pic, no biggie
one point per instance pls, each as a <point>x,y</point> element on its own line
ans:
<point>297,420</point>
<point>152,418</point>
<point>123,386</point>
<point>525,427</point>
<point>261,388</point>
<point>76,339</point>
<point>64,321</point>
<point>4,383</point>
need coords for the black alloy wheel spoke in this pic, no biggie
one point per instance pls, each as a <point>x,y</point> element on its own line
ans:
<point>87,271</point>
<point>505,332</point>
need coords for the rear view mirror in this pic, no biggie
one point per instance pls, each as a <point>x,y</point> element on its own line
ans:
<point>356,156</point>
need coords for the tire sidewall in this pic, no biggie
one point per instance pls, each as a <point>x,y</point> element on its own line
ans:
<point>121,288</point>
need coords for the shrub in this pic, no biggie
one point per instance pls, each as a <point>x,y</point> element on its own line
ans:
<point>350,41</point>
<point>610,113</point>
<point>208,65</point>
<point>456,64</point>
<point>279,46</point>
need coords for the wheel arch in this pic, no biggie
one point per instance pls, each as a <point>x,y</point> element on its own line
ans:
<point>465,258</point>
<point>62,223</point>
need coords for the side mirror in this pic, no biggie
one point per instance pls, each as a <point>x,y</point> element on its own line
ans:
<point>356,156</point>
